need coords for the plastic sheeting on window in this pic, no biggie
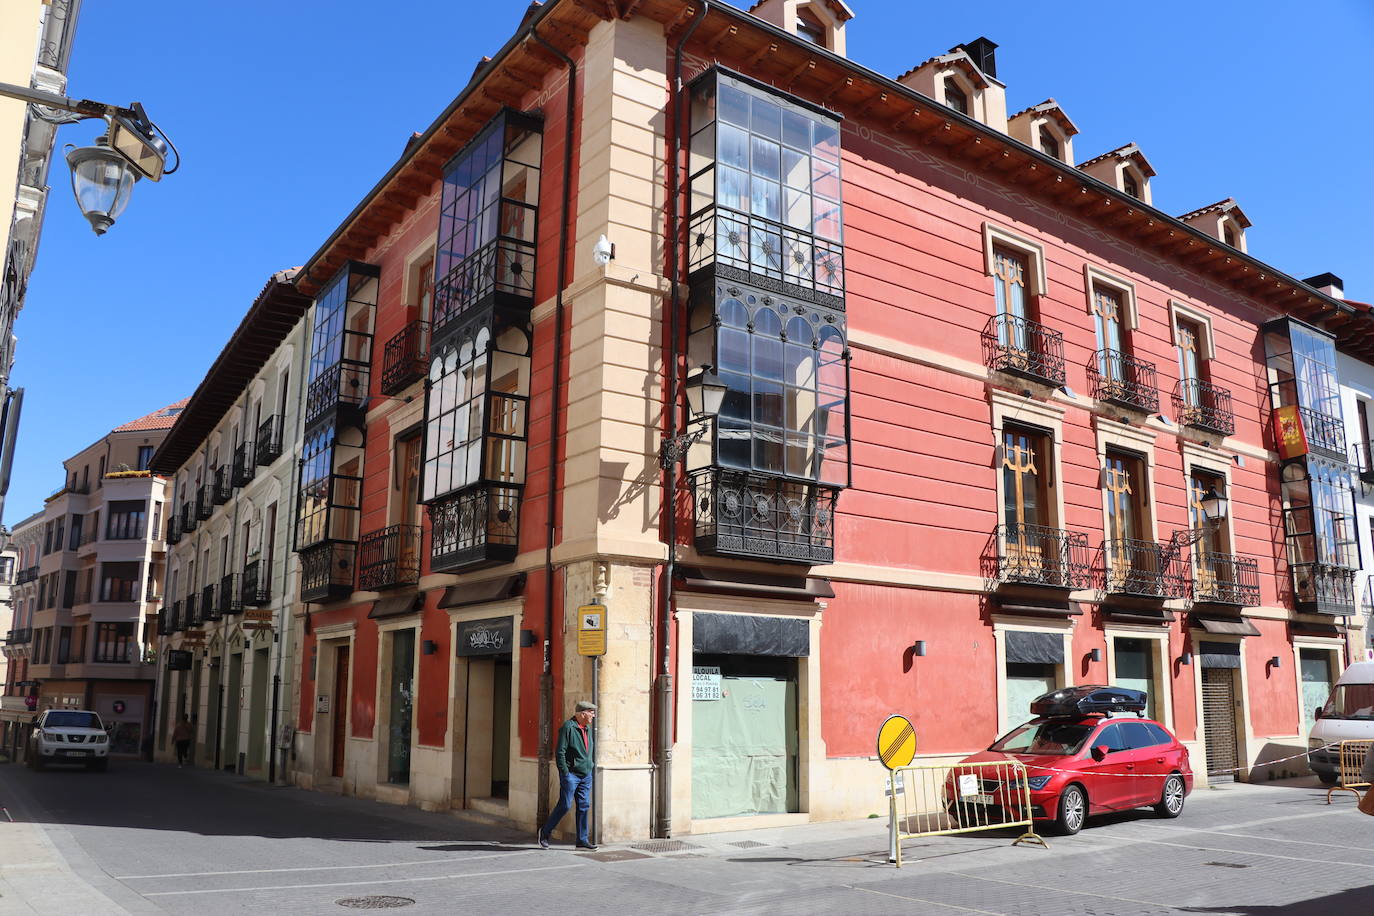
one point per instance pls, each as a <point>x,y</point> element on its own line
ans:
<point>751,634</point>
<point>744,749</point>
<point>1032,648</point>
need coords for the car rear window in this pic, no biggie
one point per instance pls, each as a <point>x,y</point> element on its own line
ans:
<point>72,720</point>
<point>1050,738</point>
<point>1161,736</point>
<point>1137,734</point>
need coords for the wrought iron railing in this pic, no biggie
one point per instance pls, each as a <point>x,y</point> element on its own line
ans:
<point>1122,379</point>
<point>20,637</point>
<point>1362,456</point>
<point>327,571</point>
<point>173,529</point>
<point>474,527</point>
<point>205,502</point>
<point>189,517</point>
<point>190,611</point>
<point>1203,405</point>
<point>1324,432</point>
<point>174,621</point>
<point>1223,578</point>
<point>503,269</point>
<point>209,609</point>
<point>1024,347</point>
<point>229,598</point>
<point>27,574</point>
<point>1036,555</point>
<point>406,358</point>
<point>1142,568</point>
<point>223,488</point>
<point>753,249</point>
<point>256,587</point>
<point>1324,589</point>
<point>342,385</point>
<point>389,558</point>
<point>245,465</point>
<point>769,518</point>
<point>269,440</point>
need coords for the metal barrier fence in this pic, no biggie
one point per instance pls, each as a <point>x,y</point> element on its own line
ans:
<point>937,800</point>
<point>1348,778</point>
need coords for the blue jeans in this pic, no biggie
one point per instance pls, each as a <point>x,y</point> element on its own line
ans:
<point>574,788</point>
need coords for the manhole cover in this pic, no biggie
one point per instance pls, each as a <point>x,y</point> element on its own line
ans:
<point>663,846</point>
<point>1227,864</point>
<point>748,844</point>
<point>375,902</point>
<point>613,855</point>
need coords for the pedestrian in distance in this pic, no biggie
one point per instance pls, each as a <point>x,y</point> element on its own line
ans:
<point>574,759</point>
<point>181,737</point>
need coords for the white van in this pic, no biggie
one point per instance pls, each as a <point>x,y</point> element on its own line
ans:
<point>1348,714</point>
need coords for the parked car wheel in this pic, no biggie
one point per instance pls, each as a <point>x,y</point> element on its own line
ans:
<point>1073,810</point>
<point>1171,802</point>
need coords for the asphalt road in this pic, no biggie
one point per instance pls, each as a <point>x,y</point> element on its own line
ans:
<point>147,838</point>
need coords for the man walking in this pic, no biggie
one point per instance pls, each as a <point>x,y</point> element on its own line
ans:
<point>574,759</point>
<point>182,736</point>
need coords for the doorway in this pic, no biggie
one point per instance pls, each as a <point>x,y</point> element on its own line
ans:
<point>485,717</point>
<point>1317,680</point>
<point>194,710</point>
<point>1135,669</point>
<point>233,700</point>
<point>1219,723</point>
<point>745,738</point>
<point>339,711</point>
<point>214,701</point>
<point>257,711</point>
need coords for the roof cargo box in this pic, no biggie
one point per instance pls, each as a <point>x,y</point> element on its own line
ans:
<point>1088,699</point>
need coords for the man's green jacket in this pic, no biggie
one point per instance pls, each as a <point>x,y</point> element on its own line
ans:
<point>572,755</point>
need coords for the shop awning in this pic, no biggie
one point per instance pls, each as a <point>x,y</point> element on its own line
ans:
<point>1025,647</point>
<point>1029,608</point>
<point>1137,614</point>
<point>751,634</point>
<point>758,585</point>
<point>1219,654</point>
<point>482,592</point>
<point>1329,630</point>
<point>1227,626</point>
<point>396,605</point>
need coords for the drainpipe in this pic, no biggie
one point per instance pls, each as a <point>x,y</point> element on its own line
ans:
<point>663,688</point>
<point>565,218</point>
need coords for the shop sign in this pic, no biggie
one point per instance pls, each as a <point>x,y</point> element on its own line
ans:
<point>484,637</point>
<point>1288,432</point>
<point>591,629</point>
<point>706,683</point>
<point>178,660</point>
<point>257,613</point>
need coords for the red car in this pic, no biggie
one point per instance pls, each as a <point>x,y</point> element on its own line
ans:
<point>1078,766</point>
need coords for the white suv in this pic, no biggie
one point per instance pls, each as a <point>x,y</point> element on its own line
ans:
<point>69,736</point>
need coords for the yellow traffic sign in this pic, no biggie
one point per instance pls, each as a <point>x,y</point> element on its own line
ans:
<point>591,629</point>
<point>896,742</point>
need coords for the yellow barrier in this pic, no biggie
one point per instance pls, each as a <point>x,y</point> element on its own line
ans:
<point>960,798</point>
<point>1348,770</point>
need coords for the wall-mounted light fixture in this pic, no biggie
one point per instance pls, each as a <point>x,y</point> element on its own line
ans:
<point>527,639</point>
<point>1275,662</point>
<point>918,648</point>
<point>429,647</point>
<point>1186,658</point>
<point>1095,655</point>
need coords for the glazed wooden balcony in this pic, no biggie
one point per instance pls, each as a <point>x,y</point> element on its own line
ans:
<point>1321,588</point>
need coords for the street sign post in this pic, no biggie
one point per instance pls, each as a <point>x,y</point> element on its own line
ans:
<point>896,749</point>
<point>591,629</point>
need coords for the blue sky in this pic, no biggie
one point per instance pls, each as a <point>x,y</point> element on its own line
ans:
<point>287,113</point>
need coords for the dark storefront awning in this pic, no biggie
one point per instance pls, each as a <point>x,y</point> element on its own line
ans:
<point>751,634</point>
<point>1025,607</point>
<point>1034,648</point>
<point>482,592</point>
<point>1137,614</point>
<point>1329,630</point>
<point>396,605</point>
<point>1219,654</point>
<point>757,585</point>
<point>1226,626</point>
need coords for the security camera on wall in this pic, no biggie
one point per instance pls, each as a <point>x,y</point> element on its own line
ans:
<point>604,251</point>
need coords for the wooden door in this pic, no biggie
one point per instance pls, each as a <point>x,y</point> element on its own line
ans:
<point>339,710</point>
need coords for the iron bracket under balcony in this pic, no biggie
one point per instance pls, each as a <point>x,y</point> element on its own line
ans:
<point>1045,557</point>
<point>742,514</point>
<point>1025,348</point>
<point>1143,569</point>
<point>474,527</point>
<point>1121,379</point>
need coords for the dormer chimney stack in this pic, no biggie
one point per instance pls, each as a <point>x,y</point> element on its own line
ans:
<point>1328,283</point>
<point>981,50</point>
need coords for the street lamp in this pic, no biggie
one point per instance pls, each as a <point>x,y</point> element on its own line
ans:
<point>705,393</point>
<point>103,175</point>
<point>1214,508</point>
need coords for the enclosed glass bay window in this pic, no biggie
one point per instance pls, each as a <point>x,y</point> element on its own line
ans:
<point>341,341</point>
<point>1301,364</point>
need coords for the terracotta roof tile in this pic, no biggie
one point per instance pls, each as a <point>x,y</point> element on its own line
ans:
<point>1228,205</point>
<point>1129,151</point>
<point>158,419</point>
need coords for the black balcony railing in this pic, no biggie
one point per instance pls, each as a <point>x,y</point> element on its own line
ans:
<point>767,518</point>
<point>1035,555</point>
<point>20,637</point>
<point>191,611</point>
<point>173,529</point>
<point>1324,589</point>
<point>1324,432</point>
<point>1362,456</point>
<point>223,488</point>
<point>245,464</point>
<point>1142,568</point>
<point>1203,405</point>
<point>1122,379</point>
<point>478,526</point>
<point>229,598</point>
<point>340,389</point>
<point>1221,578</point>
<point>255,590</point>
<point>27,574</point>
<point>205,501</point>
<point>209,608</point>
<point>169,619</point>
<point>389,558</point>
<point>1024,347</point>
<point>756,250</point>
<point>405,359</point>
<point>189,517</point>
<point>269,440</point>
<point>327,571</point>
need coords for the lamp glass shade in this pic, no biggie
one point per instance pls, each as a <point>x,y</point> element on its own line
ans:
<point>705,393</point>
<point>102,181</point>
<point>1214,505</point>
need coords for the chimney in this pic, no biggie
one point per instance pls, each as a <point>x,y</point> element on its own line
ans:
<point>1328,283</point>
<point>981,51</point>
